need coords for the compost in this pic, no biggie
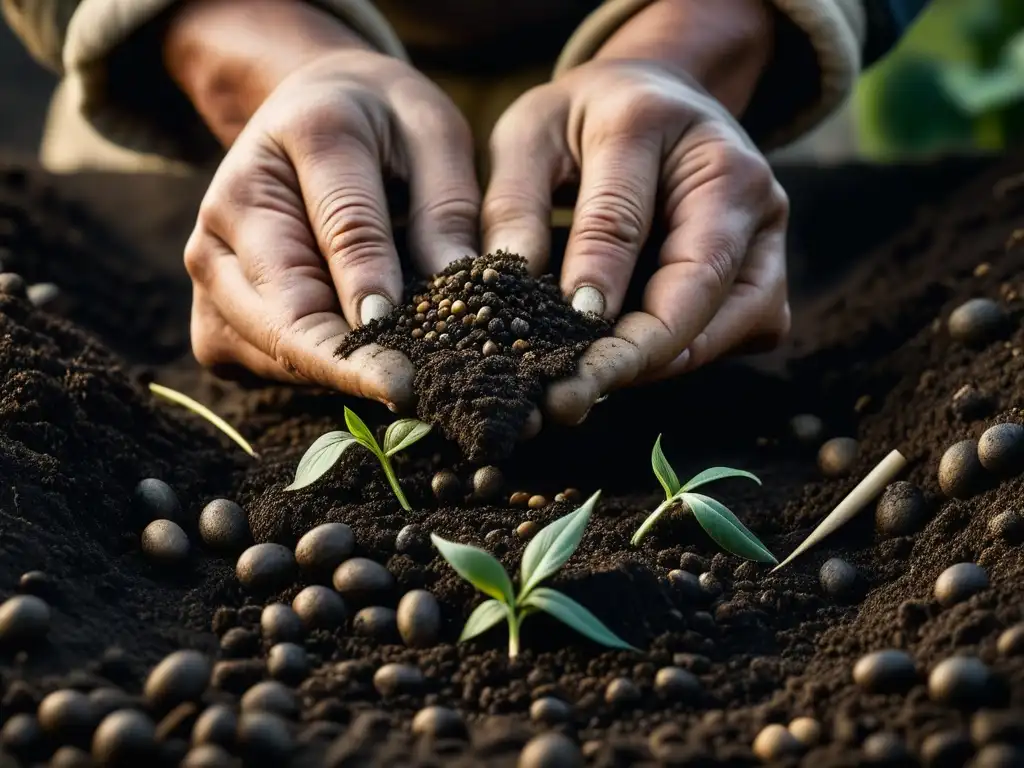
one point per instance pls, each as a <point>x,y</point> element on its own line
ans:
<point>722,656</point>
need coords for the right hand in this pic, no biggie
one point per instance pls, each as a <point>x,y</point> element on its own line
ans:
<point>293,244</point>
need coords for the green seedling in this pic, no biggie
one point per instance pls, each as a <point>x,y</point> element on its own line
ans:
<point>719,523</point>
<point>544,555</point>
<point>328,448</point>
<point>201,410</point>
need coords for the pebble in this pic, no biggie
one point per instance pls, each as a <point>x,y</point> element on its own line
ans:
<point>181,676</point>
<point>487,483</point>
<point>621,692</point>
<point>224,526</point>
<point>960,470</point>
<point>1001,449</point>
<point>264,739</point>
<point>550,750</point>
<point>446,486</point>
<point>124,738</point>
<point>537,502</point>
<point>901,511</point>
<point>998,756</point>
<point>775,742</point>
<point>1011,641</point>
<point>377,623</point>
<point>281,624</point>
<point>164,542</point>
<point>412,541</point>
<point>960,582</point>
<point>288,663</point>
<point>154,500</point>
<point>945,749</point>
<point>838,578</point>
<point>1008,526</point>
<point>519,499</point>
<point>207,756</point>
<point>520,327</point>
<point>710,585</point>
<point>490,276</point>
<point>676,684</point>
<point>71,757</point>
<point>45,296</point>
<point>266,567</point>
<point>24,619</point>
<point>991,726</point>
<point>271,696</point>
<point>888,671</point>
<point>362,581</point>
<point>550,711</point>
<point>37,583</point>
<point>886,748</point>
<point>806,730</point>
<point>960,681</point>
<point>438,723</point>
<point>320,607</point>
<point>12,284</point>
<point>216,725</point>
<point>976,322</point>
<point>837,457</point>
<point>395,679</point>
<point>807,429</point>
<point>490,349</point>
<point>21,735</point>
<point>419,619</point>
<point>527,529</point>
<point>68,715</point>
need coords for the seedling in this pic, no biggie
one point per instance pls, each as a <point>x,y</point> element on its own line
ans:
<point>719,523</point>
<point>544,555</point>
<point>328,448</point>
<point>201,410</point>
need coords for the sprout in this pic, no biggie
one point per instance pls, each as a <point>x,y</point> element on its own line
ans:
<point>546,553</point>
<point>719,523</point>
<point>201,410</point>
<point>327,449</point>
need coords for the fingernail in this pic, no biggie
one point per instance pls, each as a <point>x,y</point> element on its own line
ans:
<point>374,307</point>
<point>588,299</point>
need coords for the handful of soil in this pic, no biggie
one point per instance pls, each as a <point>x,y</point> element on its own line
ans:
<point>485,338</point>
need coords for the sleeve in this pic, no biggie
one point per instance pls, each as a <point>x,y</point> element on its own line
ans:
<point>111,48</point>
<point>821,47</point>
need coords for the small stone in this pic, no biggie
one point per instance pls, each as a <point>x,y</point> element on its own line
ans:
<point>806,730</point>
<point>686,584</point>
<point>181,676</point>
<point>273,697</point>
<point>208,756</point>
<point>960,470</point>
<point>413,542</point>
<point>527,529</point>
<point>487,483</point>
<point>362,581</point>
<point>419,619</point>
<point>155,500</point>
<point>438,723</point>
<point>1001,449</point>
<point>395,679</point>
<point>807,429</point>
<point>550,711</point>
<point>224,526</point>
<point>960,681</point>
<point>998,756</point>
<point>901,511</point>
<point>775,742</point>
<point>71,757</point>
<point>946,749</point>
<point>490,276</point>
<point>977,322</point>
<point>264,739</point>
<point>484,315</point>
<point>992,726</point>
<point>520,346</point>
<point>537,502</point>
<point>320,607</point>
<point>520,327</point>
<point>281,624</point>
<point>24,620</point>
<point>622,692</point>
<point>430,336</point>
<point>1008,526</point>
<point>519,499</point>
<point>885,748</point>
<point>216,725</point>
<point>124,738</point>
<point>496,326</point>
<point>446,485</point>
<point>1011,641</point>
<point>288,663</point>
<point>68,716</point>
<point>888,671</point>
<point>321,550</point>
<point>377,623</point>
<point>37,583</point>
<point>838,456</point>
<point>838,578</point>
<point>266,567</point>
<point>550,750</point>
<point>676,684</point>
<point>960,582</point>
<point>12,284</point>
<point>44,295</point>
<point>710,585</point>
<point>164,542</point>
<point>490,348</point>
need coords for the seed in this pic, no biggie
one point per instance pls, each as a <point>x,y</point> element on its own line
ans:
<point>265,567</point>
<point>490,348</point>
<point>520,327</point>
<point>960,681</point>
<point>458,307</point>
<point>37,583</point>
<point>440,327</point>
<point>324,548</point>
<point>487,483</point>
<point>263,739</point>
<point>710,585</point>
<point>12,284</point>
<point>686,584</point>
<point>207,756</point>
<point>976,322</point>
<point>1001,449</point>
<point>419,618</point>
<point>24,619</point>
<point>164,542</point>
<point>279,624</point>
<point>484,315</point>
<point>572,494</point>
<point>239,642</point>
<point>490,276</point>
<point>445,485</point>
<point>430,336</point>
<point>1008,525</point>
<point>1011,641</point>
<point>68,715</point>
<point>676,684</point>
<point>73,757</point>
<point>885,748</point>
<point>181,676</point>
<point>622,692</point>
<point>838,578</point>
<point>216,725</point>
<point>946,749</point>
<point>154,499</point>
<point>438,723</point>
<point>888,671</point>
<point>837,456</point>
<point>775,742</point>
<point>394,679</point>
<point>496,326</point>
<point>490,297</point>
<point>224,526</point>
<point>469,319</point>
<point>550,750</point>
<point>998,756</point>
<point>519,499</point>
<point>550,711</point>
<point>960,470</point>
<point>288,663</point>
<point>807,429</point>
<point>901,510</point>
<point>527,529</point>
<point>960,582</point>
<point>417,333</point>
<point>413,542</point>
<point>537,502</point>
<point>320,607</point>
<point>444,339</point>
<point>519,346</point>
<point>363,581</point>
<point>422,308</point>
<point>124,738</point>
<point>468,287</point>
<point>991,726</point>
<point>377,623</point>
<point>806,730</point>
<point>273,697</point>
<point>443,313</point>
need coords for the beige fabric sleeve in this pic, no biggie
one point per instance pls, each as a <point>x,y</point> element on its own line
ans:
<point>835,30</point>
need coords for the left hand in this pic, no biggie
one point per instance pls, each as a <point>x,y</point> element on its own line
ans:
<point>643,139</point>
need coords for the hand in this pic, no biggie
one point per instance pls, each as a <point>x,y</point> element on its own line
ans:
<point>644,140</point>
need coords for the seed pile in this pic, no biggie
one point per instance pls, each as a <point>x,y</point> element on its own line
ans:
<point>485,338</point>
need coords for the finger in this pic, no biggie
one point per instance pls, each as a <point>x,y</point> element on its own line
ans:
<point>612,220</point>
<point>607,364</point>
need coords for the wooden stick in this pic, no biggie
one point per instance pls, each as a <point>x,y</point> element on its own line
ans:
<point>864,493</point>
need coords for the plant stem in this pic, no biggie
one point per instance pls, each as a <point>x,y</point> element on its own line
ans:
<point>513,634</point>
<point>393,480</point>
<point>650,521</point>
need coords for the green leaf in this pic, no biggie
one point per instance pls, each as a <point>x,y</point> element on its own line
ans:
<point>663,470</point>
<point>483,617</point>
<point>320,457</point>
<point>726,529</point>
<point>477,567</point>
<point>403,433</point>
<point>574,615</point>
<point>360,431</point>
<point>553,545</point>
<point>716,473</point>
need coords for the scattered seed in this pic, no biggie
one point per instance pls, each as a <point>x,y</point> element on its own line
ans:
<point>362,581</point>
<point>37,583</point>
<point>430,336</point>
<point>288,663</point>
<point>686,584</point>
<point>124,738</point>
<point>24,619</point>
<point>490,348</point>
<point>164,542</point>
<point>901,511</point>
<point>413,542</point>
<point>377,623</point>
<point>1011,641</point>
<point>273,697</point>
<point>537,502</point>
<point>442,315</point>
<point>445,485</point>
<point>519,499</point>
<point>527,529</point>
<point>320,607</point>
<point>68,716</point>
<point>12,284</point>
<point>838,456</point>
<point>946,749</point>
<point>487,483</point>
<point>264,739</point>
<point>886,748</point>
<point>710,585</point>
<point>520,346</point>
<point>216,725</point>
<point>977,322</point>
<point>992,726</point>
<point>621,692</point>
<point>224,526</point>
<point>265,567</point>
<point>960,681</point>
<point>207,756</point>
<point>239,642</point>
<point>838,578</point>
<point>484,315</point>
<point>960,470</point>
<point>181,676</point>
<point>438,723</point>
<point>1008,525</point>
<point>469,319</point>
<point>440,327</point>
<point>321,550</point>
<point>458,307</point>
<point>394,679</point>
<point>676,684</point>
<point>73,757</point>
<point>154,499</point>
<point>572,494</point>
<point>550,750</point>
<point>490,276</point>
<point>281,624</point>
<point>417,333</point>
<point>806,730</point>
<point>550,711</point>
<point>888,671</point>
<point>960,582</point>
<point>775,742</point>
<point>419,618</point>
<point>422,308</point>
<point>1001,449</point>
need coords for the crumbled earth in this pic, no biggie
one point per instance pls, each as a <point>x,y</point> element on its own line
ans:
<point>872,359</point>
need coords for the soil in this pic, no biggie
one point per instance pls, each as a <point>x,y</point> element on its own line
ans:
<point>871,358</point>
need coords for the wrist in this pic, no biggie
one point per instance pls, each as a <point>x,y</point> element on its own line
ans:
<point>227,56</point>
<point>725,46</point>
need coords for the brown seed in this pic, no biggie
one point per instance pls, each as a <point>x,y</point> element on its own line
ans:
<point>519,346</point>
<point>444,304</point>
<point>436,298</point>
<point>837,456</point>
<point>430,336</point>
<point>519,499</point>
<point>458,307</point>
<point>572,494</point>
<point>423,307</point>
<point>775,742</point>
<point>443,313</point>
<point>484,315</point>
<point>487,482</point>
<point>490,276</point>
<point>527,530</point>
<point>417,333</point>
<point>420,318</point>
<point>445,485</point>
<point>537,502</point>
<point>441,326</point>
<point>490,348</point>
<point>469,319</point>
<point>960,470</point>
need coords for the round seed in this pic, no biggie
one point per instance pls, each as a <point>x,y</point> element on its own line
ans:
<point>321,550</point>
<point>24,619</point>
<point>838,456</point>
<point>622,692</point>
<point>490,348</point>
<point>775,742</point>
<point>458,307</point>
<point>807,429</point>
<point>164,542</point>
<point>394,679</point>
<point>1001,449</point>
<point>885,748</point>
<point>537,502</point>
<point>413,542</point>
<point>676,684</point>
<point>224,526</point>
<point>320,607</point>
<point>901,510</point>
<point>216,725</point>
<point>487,483</point>
<point>422,308</point>
<point>946,749</point>
<point>976,322</point>
<point>377,623</point>
<point>264,739</point>
<point>484,315</point>
<point>960,681</point>
<point>288,663</point>
<point>960,582</point>
<point>124,738</point>
<point>273,697</point>
<point>520,327</point>
<point>430,336</point>
<point>445,485</point>
<point>419,618</point>
<point>1008,525</point>
<point>519,499</point>
<point>490,276</point>
<point>181,676</point>
<point>550,711</point>
<point>960,470</point>
<point>520,346</point>
<point>1011,641</point>
<point>550,750</point>
<point>417,333</point>
<point>838,578</point>
<point>527,529</point>
<point>362,581</point>
<point>68,715</point>
<point>806,730</point>
<point>154,499</point>
<point>888,671</point>
<point>438,723</point>
<point>265,567</point>
<point>280,624</point>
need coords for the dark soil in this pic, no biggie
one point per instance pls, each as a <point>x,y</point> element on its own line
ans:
<point>872,359</point>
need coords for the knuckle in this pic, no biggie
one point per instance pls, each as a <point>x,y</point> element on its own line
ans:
<point>351,226</point>
<point>508,205</point>
<point>746,169</point>
<point>453,213</point>
<point>198,258</point>
<point>610,217</point>
<point>206,348</point>
<point>720,253</point>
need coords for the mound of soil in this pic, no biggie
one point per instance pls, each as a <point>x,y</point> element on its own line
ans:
<point>873,359</point>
